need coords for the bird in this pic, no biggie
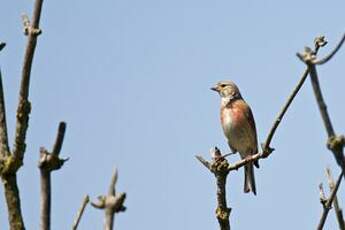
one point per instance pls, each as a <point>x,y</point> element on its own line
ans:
<point>238,125</point>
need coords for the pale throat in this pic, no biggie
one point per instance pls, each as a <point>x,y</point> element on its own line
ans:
<point>225,101</point>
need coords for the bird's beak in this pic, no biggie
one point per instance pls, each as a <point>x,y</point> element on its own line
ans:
<point>215,88</point>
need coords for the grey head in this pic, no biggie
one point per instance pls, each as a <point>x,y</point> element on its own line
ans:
<point>227,89</point>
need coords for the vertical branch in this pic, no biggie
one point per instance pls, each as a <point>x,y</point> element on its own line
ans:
<point>45,197</point>
<point>4,148</point>
<point>111,203</point>
<point>222,211</point>
<point>23,110</point>
<point>12,162</point>
<point>109,211</point>
<point>48,163</point>
<point>220,168</point>
<point>15,217</point>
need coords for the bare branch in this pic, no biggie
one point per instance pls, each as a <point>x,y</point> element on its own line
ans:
<point>59,138</point>
<point>113,181</point>
<point>328,204</point>
<point>111,203</point>
<point>24,107</point>
<point>338,211</point>
<point>4,148</point>
<point>49,162</point>
<point>13,162</point>
<point>80,212</point>
<point>219,167</point>
<point>45,199</point>
<point>335,143</point>
<point>329,56</point>
<point>267,150</point>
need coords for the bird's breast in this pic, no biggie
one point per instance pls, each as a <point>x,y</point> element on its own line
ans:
<point>236,129</point>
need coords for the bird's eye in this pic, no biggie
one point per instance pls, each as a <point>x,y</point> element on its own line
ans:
<point>222,85</point>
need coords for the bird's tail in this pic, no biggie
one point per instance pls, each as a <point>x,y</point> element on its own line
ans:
<point>249,179</point>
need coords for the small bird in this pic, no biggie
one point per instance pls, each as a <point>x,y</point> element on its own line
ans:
<point>239,128</point>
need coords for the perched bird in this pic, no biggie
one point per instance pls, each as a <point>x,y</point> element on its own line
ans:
<point>239,128</point>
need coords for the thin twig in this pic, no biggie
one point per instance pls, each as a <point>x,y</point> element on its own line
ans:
<point>80,212</point>
<point>48,163</point>
<point>267,150</point>
<point>328,204</point>
<point>338,210</point>
<point>329,56</point>
<point>219,167</point>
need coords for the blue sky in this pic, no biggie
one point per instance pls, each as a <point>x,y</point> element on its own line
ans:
<point>132,78</point>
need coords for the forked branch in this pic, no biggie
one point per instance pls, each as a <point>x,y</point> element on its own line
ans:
<point>111,203</point>
<point>327,203</point>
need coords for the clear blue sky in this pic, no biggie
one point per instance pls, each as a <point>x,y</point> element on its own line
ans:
<point>131,79</point>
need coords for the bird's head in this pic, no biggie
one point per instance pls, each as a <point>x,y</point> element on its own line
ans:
<point>227,89</point>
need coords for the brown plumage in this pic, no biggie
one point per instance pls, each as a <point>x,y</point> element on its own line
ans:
<point>239,127</point>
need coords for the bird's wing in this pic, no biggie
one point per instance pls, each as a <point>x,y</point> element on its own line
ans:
<point>250,119</point>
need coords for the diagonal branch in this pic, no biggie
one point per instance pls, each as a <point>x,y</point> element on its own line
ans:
<point>267,150</point>
<point>338,210</point>
<point>80,212</point>
<point>327,204</point>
